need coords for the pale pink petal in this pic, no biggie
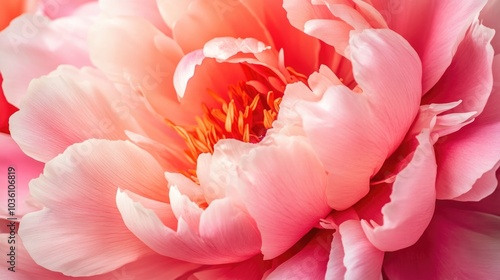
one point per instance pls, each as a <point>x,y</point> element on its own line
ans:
<point>48,122</point>
<point>411,204</point>
<point>458,244</point>
<point>469,77</point>
<point>333,32</point>
<point>172,10</point>
<point>24,169</point>
<point>218,240</point>
<point>33,46</point>
<point>57,9</point>
<point>78,189</point>
<point>433,28</point>
<point>352,256</point>
<point>211,19</point>
<point>132,52</point>
<point>145,9</point>
<point>309,263</point>
<point>280,188</point>
<point>353,132</point>
<point>463,157</point>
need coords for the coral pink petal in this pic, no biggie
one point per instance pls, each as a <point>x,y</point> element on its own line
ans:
<point>148,267</point>
<point>458,244</point>
<point>136,8</point>
<point>340,124</point>
<point>78,190</point>
<point>48,119</point>
<point>352,256</point>
<point>433,28</point>
<point>411,204</point>
<point>251,269</point>
<point>309,263</point>
<point>218,240</point>
<point>489,17</point>
<point>472,61</point>
<point>297,193</point>
<point>45,45</point>
<point>465,156</point>
<point>24,169</point>
<point>131,51</point>
<point>211,19</point>
<point>172,10</point>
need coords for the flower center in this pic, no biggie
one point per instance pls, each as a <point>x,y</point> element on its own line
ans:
<point>245,114</point>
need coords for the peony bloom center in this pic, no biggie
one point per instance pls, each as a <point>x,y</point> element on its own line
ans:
<point>246,112</point>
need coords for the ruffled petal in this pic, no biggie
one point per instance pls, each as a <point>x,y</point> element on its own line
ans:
<point>352,256</point>
<point>280,188</point>
<point>217,240</point>
<point>465,156</point>
<point>411,204</point>
<point>46,45</point>
<point>354,131</point>
<point>489,18</point>
<point>78,191</point>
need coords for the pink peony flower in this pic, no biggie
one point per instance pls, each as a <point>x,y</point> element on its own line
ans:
<point>258,139</point>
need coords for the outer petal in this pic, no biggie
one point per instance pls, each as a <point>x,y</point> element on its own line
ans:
<point>352,132</point>
<point>469,77</point>
<point>48,117</point>
<point>218,239</point>
<point>33,46</point>
<point>78,190</point>
<point>145,9</point>
<point>25,169</point>
<point>458,244</point>
<point>309,263</point>
<point>352,256</point>
<point>411,207</point>
<point>132,52</point>
<point>280,188</point>
<point>464,157</point>
<point>489,18</point>
<point>433,28</point>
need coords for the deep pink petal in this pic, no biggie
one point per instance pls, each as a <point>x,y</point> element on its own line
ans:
<point>280,188</point>
<point>353,132</point>
<point>352,256</point>
<point>433,28</point>
<point>45,45</point>
<point>6,110</point>
<point>251,269</point>
<point>78,190</point>
<point>24,169</point>
<point>463,157</point>
<point>411,204</point>
<point>309,263</point>
<point>458,244</point>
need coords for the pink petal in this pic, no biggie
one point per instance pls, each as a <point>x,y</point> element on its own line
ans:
<point>144,9</point>
<point>352,256</point>
<point>464,157</point>
<point>46,45</point>
<point>218,239</point>
<point>58,9</point>
<point>48,117</point>
<point>209,19</point>
<point>489,18</point>
<point>172,10</point>
<point>411,204</point>
<point>251,269</point>
<point>24,169</point>
<point>280,188</point>
<point>131,51</point>
<point>458,244</point>
<point>433,28</point>
<point>308,263</point>
<point>340,124</point>
<point>78,189</point>
<point>469,77</point>
<point>6,110</point>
